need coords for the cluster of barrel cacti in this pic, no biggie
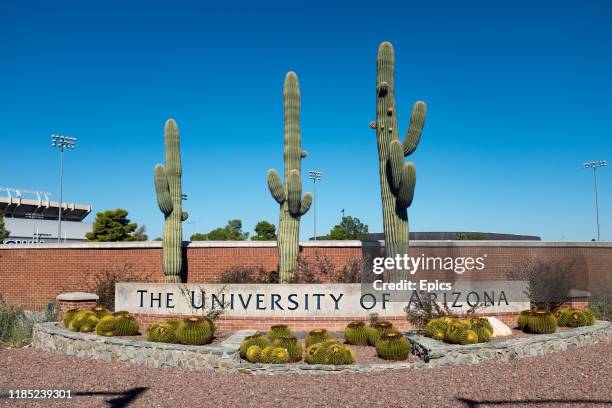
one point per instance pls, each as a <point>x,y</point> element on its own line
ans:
<point>281,346</point>
<point>544,322</point>
<point>453,330</point>
<point>572,317</point>
<point>193,330</point>
<point>98,319</point>
<point>390,344</point>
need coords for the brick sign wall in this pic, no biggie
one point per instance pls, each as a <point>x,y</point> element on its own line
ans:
<point>33,275</point>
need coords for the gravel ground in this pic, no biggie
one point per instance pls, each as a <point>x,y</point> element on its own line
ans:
<point>575,378</point>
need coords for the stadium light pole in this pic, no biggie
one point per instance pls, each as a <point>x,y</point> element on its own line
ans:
<point>315,176</point>
<point>595,165</point>
<point>62,143</point>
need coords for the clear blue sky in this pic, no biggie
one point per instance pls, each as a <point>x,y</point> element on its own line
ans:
<point>519,94</point>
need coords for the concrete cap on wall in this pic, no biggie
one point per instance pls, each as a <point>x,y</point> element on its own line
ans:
<point>77,296</point>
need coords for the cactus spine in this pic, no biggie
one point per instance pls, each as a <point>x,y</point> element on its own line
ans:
<point>397,179</point>
<point>169,198</point>
<point>289,194</point>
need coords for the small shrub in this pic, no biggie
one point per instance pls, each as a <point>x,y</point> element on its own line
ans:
<point>103,283</point>
<point>601,299</point>
<point>247,274</point>
<point>426,309</point>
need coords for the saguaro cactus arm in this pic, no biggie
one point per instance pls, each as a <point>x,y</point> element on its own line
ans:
<point>306,202</point>
<point>162,190</point>
<point>276,186</point>
<point>415,128</point>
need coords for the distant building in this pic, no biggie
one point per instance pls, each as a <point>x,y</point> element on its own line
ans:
<point>34,220</point>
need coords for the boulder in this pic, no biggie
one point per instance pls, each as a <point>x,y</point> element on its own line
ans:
<point>499,328</point>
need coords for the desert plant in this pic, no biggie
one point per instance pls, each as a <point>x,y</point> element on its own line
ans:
<point>522,319</point>
<point>78,319</point>
<point>195,331</point>
<point>455,330</point>
<point>167,180</point>
<point>541,322</point>
<point>292,345</point>
<point>313,354</point>
<point>601,298</point>
<point>439,335</point>
<point>16,324</point>
<point>278,355</point>
<point>317,336</point>
<point>289,194</point>
<point>469,337</point>
<point>590,316</point>
<point>247,274</point>
<point>571,317</point>
<point>69,315</point>
<point>100,311</point>
<point>397,180</point>
<point>434,326</point>
<point>548,282</point>
<point>256,339</point>
<point>356,333</point>
<point>392,346</point>
<point>264,356</point>
<point>337,354</point>
<point>89,323</point>
<point>104,281</point>
<point>106,326</point>
<point>162,332</point>
<point>253,354</point>
<point>125,324</point>
<point>378,329</point>
<point>279,330</point>
<point>426,309</point>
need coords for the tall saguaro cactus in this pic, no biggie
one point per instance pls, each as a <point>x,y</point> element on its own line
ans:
<point>289,194</point>
<point>397,179</point>
<point>169,198</point>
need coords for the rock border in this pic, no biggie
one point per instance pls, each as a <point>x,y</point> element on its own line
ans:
<point>226,357</point>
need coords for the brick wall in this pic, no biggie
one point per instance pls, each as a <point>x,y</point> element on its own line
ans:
<point>33,275</point>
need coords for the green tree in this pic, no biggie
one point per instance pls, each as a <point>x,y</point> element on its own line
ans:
<point>349,228</point>
<point>264,231</point>
<point>231,232</point>
<point>3,231</point>
<point>112,226</point>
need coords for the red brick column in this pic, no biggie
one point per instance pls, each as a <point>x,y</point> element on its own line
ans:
<point>76,300</point>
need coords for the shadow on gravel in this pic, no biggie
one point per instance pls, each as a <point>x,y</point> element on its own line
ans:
<point>476,404</point>
<point>123,399</point>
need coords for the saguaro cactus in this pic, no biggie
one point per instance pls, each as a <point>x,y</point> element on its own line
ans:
<point>289,194</point>
<point>397,179</point>
<point>169,198</point>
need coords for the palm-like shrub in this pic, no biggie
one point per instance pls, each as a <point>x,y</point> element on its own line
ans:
<point>317,336</point>
<point>125,324</point>
<point>106,326</point>
<point>378,329</point>
<point>256,339</point>
<point>195,331</point>
<point>161,332</point>
<point>253,354</point>
<point>100,311</point>
<point>356,333</point>
<point>541,322</point>
<point>292,345</point>
<point>279,330</point>
<point>70,315</point>
<point>392,346</point>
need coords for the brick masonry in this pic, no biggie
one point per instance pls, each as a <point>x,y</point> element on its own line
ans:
<point>33,275</point>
